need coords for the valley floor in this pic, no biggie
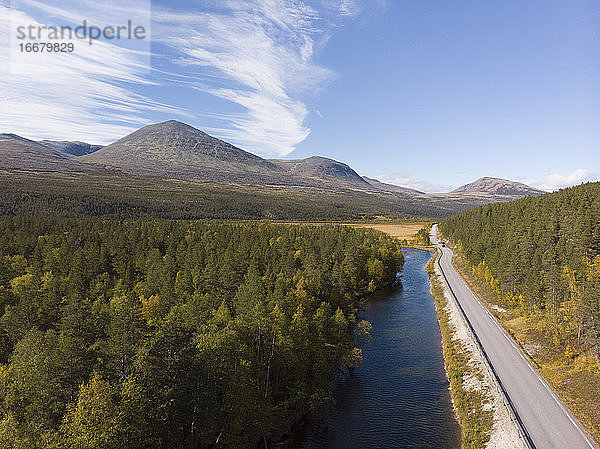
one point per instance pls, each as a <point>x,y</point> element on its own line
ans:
<point>401,230</point>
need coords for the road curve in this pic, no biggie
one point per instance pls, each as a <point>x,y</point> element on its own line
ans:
<point>544,418</point>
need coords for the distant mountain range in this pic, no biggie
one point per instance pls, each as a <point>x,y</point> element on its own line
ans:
<point>174,150</point>
<point>70,149</point>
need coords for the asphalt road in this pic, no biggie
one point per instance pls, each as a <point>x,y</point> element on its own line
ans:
<point>545,419</point>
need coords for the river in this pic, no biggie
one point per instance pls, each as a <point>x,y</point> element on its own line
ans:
<point>399,397</point>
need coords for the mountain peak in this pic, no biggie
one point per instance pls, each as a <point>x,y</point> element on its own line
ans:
<point>171,127</point>
<point>320,167</point>
<point>173,148</point>
<point>498,186</point>
<point>173,124</point>
<point>18,152</point>
<point>14,137</point>
<point>15,143</point>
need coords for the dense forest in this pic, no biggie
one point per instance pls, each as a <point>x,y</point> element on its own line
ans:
<point>124,196</point>
<point>541,254</point>
<point>176,334</point>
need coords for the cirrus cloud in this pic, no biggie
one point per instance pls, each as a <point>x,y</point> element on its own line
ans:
<point>261,57</point>
<point>90,94</point>
<point>256,58</point>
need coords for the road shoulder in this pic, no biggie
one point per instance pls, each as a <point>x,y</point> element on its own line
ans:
<point>575,383</point>
<point>478,404</point>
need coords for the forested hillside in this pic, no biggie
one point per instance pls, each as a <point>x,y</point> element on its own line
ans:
<point>164,334</point>
<point>542,254</point>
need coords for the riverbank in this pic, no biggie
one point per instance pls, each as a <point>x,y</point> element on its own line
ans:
<point>478,405</point>
<point>399,396</point>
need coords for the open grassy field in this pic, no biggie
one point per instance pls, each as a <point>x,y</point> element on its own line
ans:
<point>403,230</point>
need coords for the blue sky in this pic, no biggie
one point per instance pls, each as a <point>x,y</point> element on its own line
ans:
<point>427,94</point>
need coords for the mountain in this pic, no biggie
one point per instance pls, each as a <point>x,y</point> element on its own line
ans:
<point>174,149</point>
<point>391,187</point>
<point>176,156</point>
<point>483,191</point>
<point>498,186</point>
<point>322,169</point>
<point>70,148</point>
<point>20,153</point>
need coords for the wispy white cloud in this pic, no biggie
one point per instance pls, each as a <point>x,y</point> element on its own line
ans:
<point>88,94</point>
<point>262,53</point>
<point>348,7</point>
<point>256,55</point>
<point>555,181</point>
<point>406,180</point>
<point>353,8</point>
